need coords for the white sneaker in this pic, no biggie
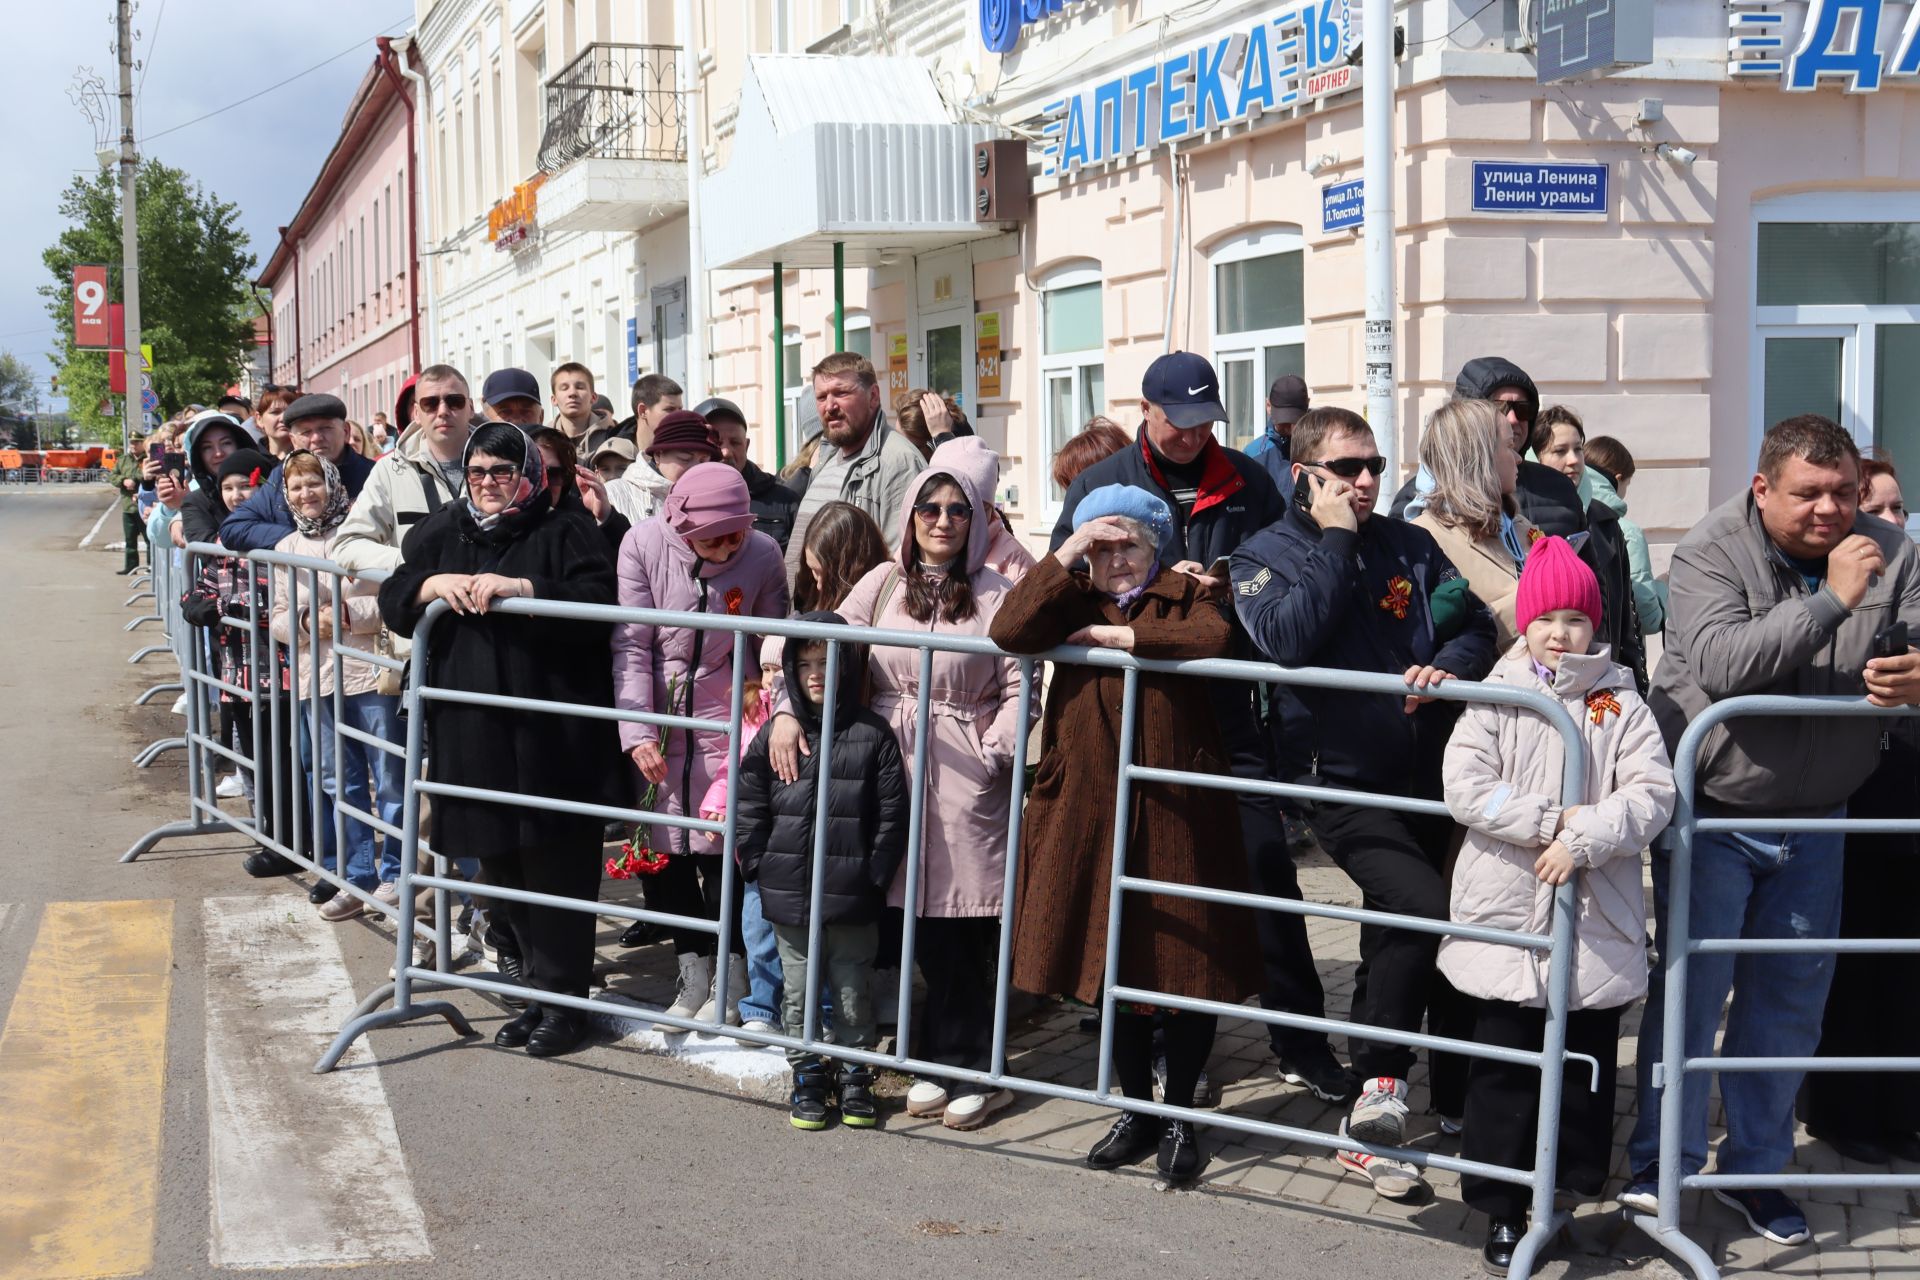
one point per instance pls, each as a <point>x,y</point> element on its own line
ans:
<point>926,1098</point>
<point>180,705</point>
<point>695,986</point>
<point>1394,1179</point>
<point>388,892</point>
<point>1380,1116</point>
<point>231,787</point>
<point>971,1110</point>
<point>756,1024</point>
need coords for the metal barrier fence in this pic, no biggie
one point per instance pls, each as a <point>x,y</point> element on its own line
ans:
<point>205,814</point>
<point>1677,945</point>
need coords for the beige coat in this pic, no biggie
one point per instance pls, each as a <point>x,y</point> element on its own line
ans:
<point>362,600</point>
<point>1502,773</point>
<point>1490,572</point>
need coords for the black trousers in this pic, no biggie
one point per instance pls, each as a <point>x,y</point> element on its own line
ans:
<point>1292,981</point>
<point>555,944</point>
<point>271,781</point>
<point>1503,1104</point>
<point>1395,859</point>
<point>133,530</point>
<point>958,957</point>
<point>689,885</point>
<point>1188,1038</point>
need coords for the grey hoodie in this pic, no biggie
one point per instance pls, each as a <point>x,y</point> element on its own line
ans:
<point>1740,620</point>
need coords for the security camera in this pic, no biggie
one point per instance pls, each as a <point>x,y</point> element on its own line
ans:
<point>1681,156</point>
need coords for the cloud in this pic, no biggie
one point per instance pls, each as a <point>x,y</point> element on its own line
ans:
<point>200,56</point>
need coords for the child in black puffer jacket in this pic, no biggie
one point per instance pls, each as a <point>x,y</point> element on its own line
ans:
<point>866,838</point>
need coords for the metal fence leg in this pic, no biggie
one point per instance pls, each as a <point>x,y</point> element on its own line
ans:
<point>147,617</point>
<point>155,691</point>
<point>141,655</point>
<point>154,750</point>
<point>167,832</point>
<point>138,595</point>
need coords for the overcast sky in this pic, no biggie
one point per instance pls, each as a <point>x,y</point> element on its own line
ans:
<point>200,55</point>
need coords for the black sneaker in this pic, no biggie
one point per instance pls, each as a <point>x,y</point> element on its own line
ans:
<point>322,892</point>
<point>1180,1159</point>
<point>854,1086</point>
<point>1503,1235</point>
<point>641,933</point>
<point>1769,1212</point>
<point>1132,1136</point>
<point>615,833</point>
<point>809,1099</point>
<point>1320,1073</point>
<point>265,862</point>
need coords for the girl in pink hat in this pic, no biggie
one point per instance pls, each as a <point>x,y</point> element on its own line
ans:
<point>700,554</point>
<point>1502,773</point>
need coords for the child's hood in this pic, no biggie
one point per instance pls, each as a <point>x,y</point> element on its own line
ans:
<point>853,674</point>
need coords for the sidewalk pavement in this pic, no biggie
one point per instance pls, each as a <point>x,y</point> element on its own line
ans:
<point>1856,1233</point>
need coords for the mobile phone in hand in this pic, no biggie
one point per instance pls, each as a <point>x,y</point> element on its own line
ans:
<point>1890,640</point>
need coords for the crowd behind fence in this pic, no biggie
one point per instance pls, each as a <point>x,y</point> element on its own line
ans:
<point>297,809</point>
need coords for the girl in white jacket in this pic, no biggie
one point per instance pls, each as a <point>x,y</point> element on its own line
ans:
<point>1503,776</point>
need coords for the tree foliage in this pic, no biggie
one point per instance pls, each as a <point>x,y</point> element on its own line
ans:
<point>16,385</point>
<point>195,311</point>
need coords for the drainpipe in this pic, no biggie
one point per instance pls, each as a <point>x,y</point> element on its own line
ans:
<point>688,66</point>
<point>299,343</point>
<point>392,63</point>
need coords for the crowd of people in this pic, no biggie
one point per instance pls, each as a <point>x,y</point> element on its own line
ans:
<point>1508,558</point>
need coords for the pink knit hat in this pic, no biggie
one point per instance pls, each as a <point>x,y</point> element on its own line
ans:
<point>708,501</point>
<point>1555,577</point>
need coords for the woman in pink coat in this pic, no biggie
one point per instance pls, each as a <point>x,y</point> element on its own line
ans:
<point>700,554</point>
<point>939,583</point>
<point>973,457</point>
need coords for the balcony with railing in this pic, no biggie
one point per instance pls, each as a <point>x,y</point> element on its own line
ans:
<point>614,145</point>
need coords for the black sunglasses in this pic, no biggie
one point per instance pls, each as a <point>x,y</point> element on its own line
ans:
<point>929,512</point>
<point>1350,468</point>
<point>499,473</point>
<point>453,400</point>
<point>1524,410</point>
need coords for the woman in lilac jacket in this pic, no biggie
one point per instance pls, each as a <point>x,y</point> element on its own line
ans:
<point>700,554</point>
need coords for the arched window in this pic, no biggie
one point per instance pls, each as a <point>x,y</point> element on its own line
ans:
<point>1073,357</point>
<point>1259,323</point>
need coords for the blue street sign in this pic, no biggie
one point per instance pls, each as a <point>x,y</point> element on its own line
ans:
<point>1342,205</point>
<point>1525,186</point>
<point>633,350</point>
<point>150,400</point>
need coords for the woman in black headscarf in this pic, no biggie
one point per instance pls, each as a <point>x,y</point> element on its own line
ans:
<point>507,541</point>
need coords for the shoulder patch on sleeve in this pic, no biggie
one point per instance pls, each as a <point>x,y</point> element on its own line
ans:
<point>1256,584</point>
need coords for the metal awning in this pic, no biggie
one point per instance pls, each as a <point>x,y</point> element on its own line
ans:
<point>856,151</point>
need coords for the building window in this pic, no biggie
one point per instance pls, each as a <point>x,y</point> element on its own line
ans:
<point>1259,324</point>
<point>860,335</point>
<point>1838,317</point>
<point>795,389</point>
<point>1073,354</point>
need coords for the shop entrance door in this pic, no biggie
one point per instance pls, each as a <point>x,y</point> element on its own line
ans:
<point>943,333</point>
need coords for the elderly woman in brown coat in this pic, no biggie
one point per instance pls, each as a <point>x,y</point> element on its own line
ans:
<point>1127,599</point>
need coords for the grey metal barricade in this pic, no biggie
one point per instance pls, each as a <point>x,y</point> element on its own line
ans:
<point>1559,944</point>
<point>1677,945</point>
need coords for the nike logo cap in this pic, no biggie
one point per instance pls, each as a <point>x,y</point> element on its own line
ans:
<point>1186,389</point>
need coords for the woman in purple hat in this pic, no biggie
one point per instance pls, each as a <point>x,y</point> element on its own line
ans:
<point>700,554</point>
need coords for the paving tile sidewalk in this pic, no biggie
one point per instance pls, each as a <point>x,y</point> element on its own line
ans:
<point>1856,1234</point>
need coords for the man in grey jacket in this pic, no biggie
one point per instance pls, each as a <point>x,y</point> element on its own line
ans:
<point>1782,590</point>
<point>862,460</point>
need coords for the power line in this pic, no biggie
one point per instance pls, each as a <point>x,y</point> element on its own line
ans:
<point>146,63</point>
<point>355,47</point>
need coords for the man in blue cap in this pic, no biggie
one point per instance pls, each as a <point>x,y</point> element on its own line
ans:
<point>513,395</point>
<point>1219,498</point>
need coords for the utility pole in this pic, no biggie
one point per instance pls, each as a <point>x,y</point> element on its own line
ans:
<point>131,413</point>
<point>1377,76</point>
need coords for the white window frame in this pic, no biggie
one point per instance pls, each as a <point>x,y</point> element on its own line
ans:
<point>856,320</point>
<point>1855,325</point>
<point>1067,366</point>
<point>1249,345</point>
<point>794,373</point>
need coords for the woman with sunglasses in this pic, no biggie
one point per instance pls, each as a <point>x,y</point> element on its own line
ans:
<point>939,583</point>
<point>504,540</point>
<point>1471,511</point>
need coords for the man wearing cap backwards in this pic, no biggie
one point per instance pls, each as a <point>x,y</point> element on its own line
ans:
<point>774,504</point>
<point>314,422</point>
<point>513,395</point>
<point>1331,585</point>
<point>1219,498</point>
<point>862,460</point>
<point>1287,399</point>
<point>424,471</point>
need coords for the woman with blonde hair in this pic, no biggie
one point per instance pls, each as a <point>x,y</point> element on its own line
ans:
<point>1471,512</point>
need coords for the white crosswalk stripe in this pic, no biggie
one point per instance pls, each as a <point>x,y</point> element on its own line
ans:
<point>306,1170</point>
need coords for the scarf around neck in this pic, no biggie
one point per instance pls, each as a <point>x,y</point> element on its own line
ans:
<point>338,499</point>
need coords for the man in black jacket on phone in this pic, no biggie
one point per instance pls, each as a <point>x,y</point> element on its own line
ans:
<point>1220,498</point>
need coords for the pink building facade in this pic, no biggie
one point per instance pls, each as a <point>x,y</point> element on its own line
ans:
<point>341,280</point>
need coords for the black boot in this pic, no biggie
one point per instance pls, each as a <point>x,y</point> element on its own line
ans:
<point>513,970</point>
<point>265,862</point>
<point>641,933</point>
<point>809,1101</point>
<point>560,1031</point>
<point>1502,1235</point>
<point>1180,1158</point>
<point>1132,1136</point>
<point>516,1033</point>
<point>323,891</point>
<point>857,1107</point>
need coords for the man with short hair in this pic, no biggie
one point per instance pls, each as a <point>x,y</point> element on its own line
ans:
<point>862,460</point>
<point>574,410</point>
<point>1780,590</point>
<point>237,407</point>
<point>318,424</point>
<point>1332,585</point>
<point>513,395</point>
<point>1287,399</point>
<point>425,470</point>
<point>1219,498</point>
<point>773,503</point>
<point>655,395</point>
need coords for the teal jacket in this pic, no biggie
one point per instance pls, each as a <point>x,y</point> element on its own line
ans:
<point>1649,594</point>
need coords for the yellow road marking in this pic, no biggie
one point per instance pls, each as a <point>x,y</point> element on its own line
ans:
<point>83,1065</point>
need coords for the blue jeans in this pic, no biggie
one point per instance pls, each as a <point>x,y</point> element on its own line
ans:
<point>346,774</point>
<point>1747,885</point>
<point>762,1002</point>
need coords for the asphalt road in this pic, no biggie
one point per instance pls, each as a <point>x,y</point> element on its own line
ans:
<point>608,1162</point>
